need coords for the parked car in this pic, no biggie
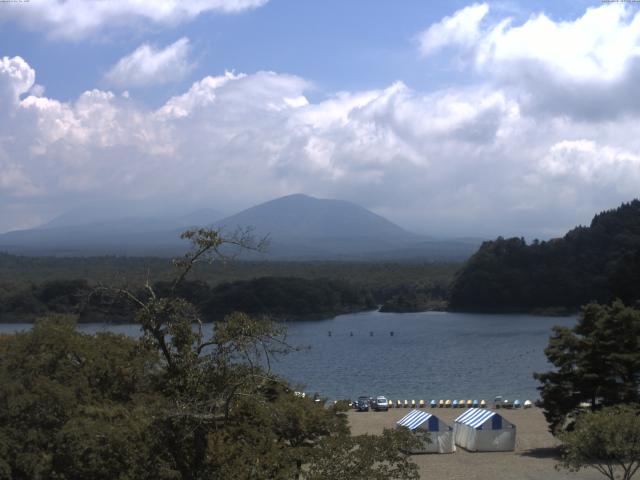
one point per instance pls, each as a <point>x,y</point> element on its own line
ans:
<point>362,404</point>
<point>381,404</point>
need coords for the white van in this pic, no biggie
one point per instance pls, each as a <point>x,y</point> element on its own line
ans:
<point>381,404</point>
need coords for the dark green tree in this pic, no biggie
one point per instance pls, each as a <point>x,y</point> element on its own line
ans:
<point>365,457</point>
<point>607,440</point>
<point>597,361</point>
<point>595,263</point>
<point>65,395</point>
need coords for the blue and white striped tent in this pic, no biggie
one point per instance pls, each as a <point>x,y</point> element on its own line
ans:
<point>439,433</point>
<point>483,430</point>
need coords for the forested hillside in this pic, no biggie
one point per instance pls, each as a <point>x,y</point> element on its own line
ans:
<point>599,262</point>
<point>35,286</point>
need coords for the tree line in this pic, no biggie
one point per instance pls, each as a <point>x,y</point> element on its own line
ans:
<point>600,263</point>
<point>112,270</point>
<point>281,297</point>
<point>278,297</point>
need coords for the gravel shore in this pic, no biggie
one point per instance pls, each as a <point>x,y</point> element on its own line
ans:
<point>533,459</point>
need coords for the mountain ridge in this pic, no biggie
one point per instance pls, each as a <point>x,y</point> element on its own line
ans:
<point>299,227</point>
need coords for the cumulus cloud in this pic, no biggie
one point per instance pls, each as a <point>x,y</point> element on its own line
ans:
<point>588,67</point>
<point>77,19</point>
<point>596,46</point>
<point>467,161</point>
<point>147,65</point>
<point>599,166</point>
<point>248,138</point>
<point>16,78</point>
<point>461,29</point>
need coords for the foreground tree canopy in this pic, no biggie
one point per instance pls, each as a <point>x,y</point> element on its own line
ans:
<point>597,362</point>
<point>607,440</point>
<point>173,404</point>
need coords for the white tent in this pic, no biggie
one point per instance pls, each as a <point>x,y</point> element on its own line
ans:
<point>480,430</point>
<point>439,433</point>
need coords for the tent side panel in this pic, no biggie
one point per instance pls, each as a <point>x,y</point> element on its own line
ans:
<point>496,440</point>
<point>465,437</point>
<point>445,442</point>
<point>441,442</point>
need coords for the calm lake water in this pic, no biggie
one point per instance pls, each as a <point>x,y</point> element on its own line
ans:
<point>430,355</point>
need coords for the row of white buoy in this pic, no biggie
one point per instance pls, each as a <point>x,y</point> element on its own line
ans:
<point>500,402</point>
<point>456,404</point>
<point>516,404</point>
<point>438,404</point>
<point>329,333</point>
<point>459,404</point>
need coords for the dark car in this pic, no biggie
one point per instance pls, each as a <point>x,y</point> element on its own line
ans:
<point>362,404</point>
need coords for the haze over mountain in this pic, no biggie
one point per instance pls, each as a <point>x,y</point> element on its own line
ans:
<point>132,222</point>
<point>121,236</point>
<point>302,216</point>
<point>299,227</point>
<point>475,127</point>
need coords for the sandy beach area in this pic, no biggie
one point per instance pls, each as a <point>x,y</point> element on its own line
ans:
<point>534,457</point>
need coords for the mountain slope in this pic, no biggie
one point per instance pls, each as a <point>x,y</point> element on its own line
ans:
<point>299,227</point>
<point>302,216</point>
<point>599,262</point>
<point>130,236</point>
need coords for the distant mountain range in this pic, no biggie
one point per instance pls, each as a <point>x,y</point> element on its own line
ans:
<point>145,236</point>
<point>299,227</point>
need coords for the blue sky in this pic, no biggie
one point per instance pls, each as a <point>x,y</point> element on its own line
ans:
<point>450,118</point>
<point>339,45</point>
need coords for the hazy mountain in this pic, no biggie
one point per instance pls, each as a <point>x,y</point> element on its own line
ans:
<point>122,236</point>
<point>130,224</point>
<point>299,227</point>
<point>299,224</point>
<point>302,216</point>
<point>302,227</point>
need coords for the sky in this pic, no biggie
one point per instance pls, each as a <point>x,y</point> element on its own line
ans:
<point>448,118</point>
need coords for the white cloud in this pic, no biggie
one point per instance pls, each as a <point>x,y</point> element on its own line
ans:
<point>467,161</point>
<point>77,19</point>
<point>16,78</point>
<point>461,29</point>
<point>588,68</point>
<point>594,47</point>
<point>147,65</point>
<point>599,166</point>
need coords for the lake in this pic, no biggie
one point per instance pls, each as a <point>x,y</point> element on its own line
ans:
<point>430,354</point>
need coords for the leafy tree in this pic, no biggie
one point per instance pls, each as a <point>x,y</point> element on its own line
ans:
<point>302,423</point>
<point>174,404</point>
<point>221,391</point>
<point>607,440</point>
<point>57,386</point>
<point>365,457</point>
<point>597,361</point>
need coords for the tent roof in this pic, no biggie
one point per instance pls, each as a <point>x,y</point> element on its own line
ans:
<point>474,417</point>
<point>414,419</point>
